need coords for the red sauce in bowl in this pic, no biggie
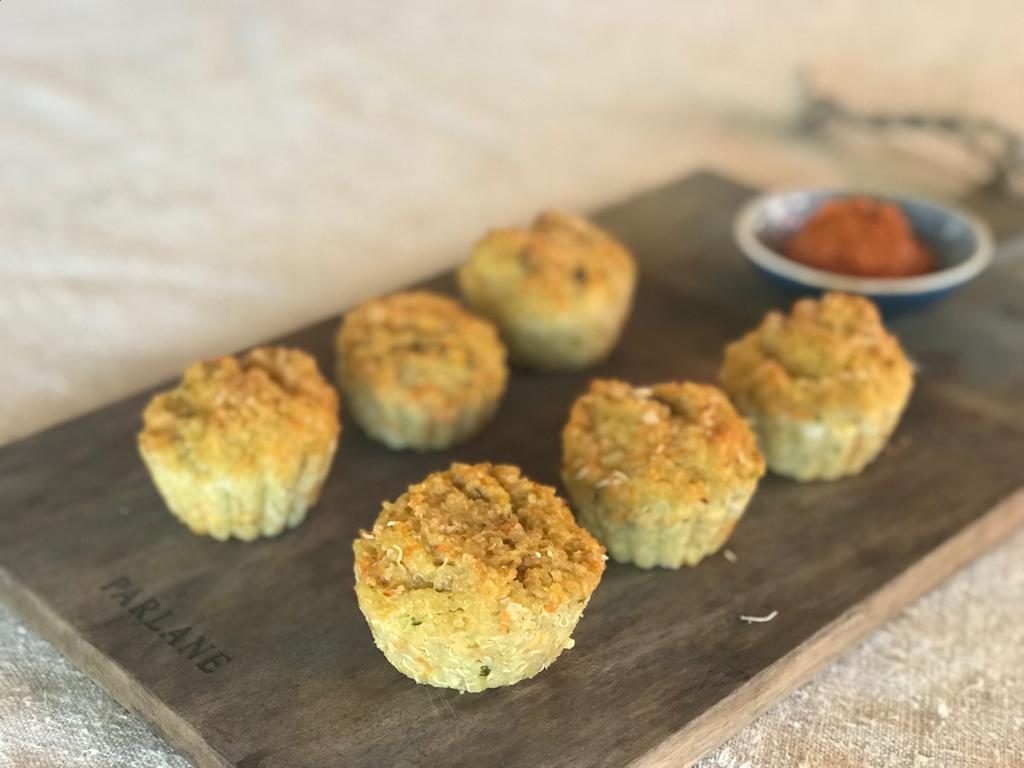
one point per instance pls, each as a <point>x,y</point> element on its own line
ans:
<point>860,236</point>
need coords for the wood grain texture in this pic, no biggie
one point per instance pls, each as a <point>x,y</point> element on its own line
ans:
<point>663,668</point>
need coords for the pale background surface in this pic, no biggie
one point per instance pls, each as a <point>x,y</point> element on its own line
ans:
<point>179,179</point>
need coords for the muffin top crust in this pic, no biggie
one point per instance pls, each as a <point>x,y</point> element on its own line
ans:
<point>421,344</point>
<point>637,445</point>
<point>484,531</point>
<point>560,262</point>
<point>243,414</point>
<point>829,356</point>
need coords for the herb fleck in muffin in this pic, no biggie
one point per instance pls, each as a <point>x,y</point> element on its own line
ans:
<point>418,371</point>
<point>242,445</point>
<point>475,578</point>
<point>559,291</point>
<point>660,475</point>
<point>824,387</point>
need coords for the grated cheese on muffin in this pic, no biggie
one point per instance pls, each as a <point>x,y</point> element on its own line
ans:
<point>824,386</point>
<point>418,371</point>
<point>475,578</point>
<point>660,475</point>
<point>559,291</point>
<point>242,445</point>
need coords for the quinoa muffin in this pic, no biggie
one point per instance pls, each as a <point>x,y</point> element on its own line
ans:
<point>660,475</point>
<point>418,371</point>
<point>560,291</point>
<point>475,578</point>
<point>824,387</point>
<point>242,445</point>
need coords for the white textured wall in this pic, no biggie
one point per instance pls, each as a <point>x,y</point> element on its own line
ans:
<point>180,178</point>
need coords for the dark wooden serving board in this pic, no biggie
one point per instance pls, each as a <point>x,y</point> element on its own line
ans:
<point>277,668</point>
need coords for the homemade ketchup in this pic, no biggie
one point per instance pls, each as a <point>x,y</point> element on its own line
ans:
<point>860,236</point>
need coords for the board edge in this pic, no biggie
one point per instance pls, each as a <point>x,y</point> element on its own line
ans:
<point>121,685</point>
<point>776,681</point>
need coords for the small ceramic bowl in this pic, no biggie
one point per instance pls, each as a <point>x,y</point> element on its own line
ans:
<point>961,244</point>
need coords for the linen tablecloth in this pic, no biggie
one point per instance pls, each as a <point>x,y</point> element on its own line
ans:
<point>178,179</point>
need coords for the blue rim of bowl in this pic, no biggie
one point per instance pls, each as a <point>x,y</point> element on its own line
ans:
<point>772,261</point>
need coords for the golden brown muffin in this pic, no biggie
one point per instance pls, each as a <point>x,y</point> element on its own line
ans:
<point>559,291</point>
<point>824,387</point>
<point>242,445</point>
<point>660,475</point>
<point>418,371</point>
<point>475,578</point>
